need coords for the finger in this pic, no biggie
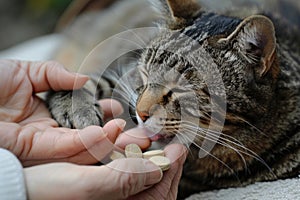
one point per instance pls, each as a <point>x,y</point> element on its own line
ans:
<point>176,152</point>
<point>175,182</point>
<point>168,187</point>
<point>32,144</point>
<point>82,158</point>
<point>113,128</point>
<point>128,177</point>
<point>94,140</point>
<point>111,108</point>
<point>51,75</point>
<point>136,135</point>
<point>68,141</point>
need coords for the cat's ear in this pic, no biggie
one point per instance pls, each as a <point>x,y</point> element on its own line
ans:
<point>177,13</point>
<point>255,39</point>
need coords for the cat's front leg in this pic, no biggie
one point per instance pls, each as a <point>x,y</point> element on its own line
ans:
<point>74,109</point>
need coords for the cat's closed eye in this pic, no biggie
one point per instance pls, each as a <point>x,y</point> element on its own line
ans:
<point>223,85</point>
<point>179,90</point>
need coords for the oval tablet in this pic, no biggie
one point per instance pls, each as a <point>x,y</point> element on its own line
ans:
<point>149,154</point>
<point>163,162</point>
<point>133,151</point>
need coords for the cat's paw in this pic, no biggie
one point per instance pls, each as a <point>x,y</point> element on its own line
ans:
<point>74,109</point>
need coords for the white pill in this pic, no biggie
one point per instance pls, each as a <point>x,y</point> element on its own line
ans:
<point>133,151</point>
<point>163,162</point>
<point>149,154</point>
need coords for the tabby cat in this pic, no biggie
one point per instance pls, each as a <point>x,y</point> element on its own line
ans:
<point>225,86</point>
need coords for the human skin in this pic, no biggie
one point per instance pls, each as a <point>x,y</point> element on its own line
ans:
<point>28,131</point>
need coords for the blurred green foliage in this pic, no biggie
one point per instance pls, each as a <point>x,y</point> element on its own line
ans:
<point>41,7</point>
<point>25,19</point>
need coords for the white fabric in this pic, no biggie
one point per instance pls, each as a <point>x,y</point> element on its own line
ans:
<point>12,184</point>
<point>288,189</point>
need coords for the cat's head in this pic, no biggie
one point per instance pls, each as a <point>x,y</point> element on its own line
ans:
<point>206,70</point>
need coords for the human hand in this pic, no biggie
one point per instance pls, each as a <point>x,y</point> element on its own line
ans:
<point>26,127</point>
<point>127,178</point>
<point>167,188</point>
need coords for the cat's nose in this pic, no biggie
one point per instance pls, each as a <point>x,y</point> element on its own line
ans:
<point>143,115</point>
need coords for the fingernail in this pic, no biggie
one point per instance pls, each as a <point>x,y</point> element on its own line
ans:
<point>122,125</point>
<point>154,173</point>
<point>80,80</point>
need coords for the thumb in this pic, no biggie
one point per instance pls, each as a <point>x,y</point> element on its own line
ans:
<point>51,75</point>
<point>129,176</point>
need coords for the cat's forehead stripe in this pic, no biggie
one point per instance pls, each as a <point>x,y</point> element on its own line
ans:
<point>203,27</point>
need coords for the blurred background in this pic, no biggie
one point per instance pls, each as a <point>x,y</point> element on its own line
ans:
<point>21,20</point>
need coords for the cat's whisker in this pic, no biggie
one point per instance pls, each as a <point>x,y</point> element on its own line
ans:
<point>181,137</point>
<point>248,123</point>
<point>131,41</point>
<point>226,87</point>
<point>123,89</point>
<point>231,139</point>
<point>125,96</point>
<point>135,34</point>
<point>211,138</point>
<point>245,151</point>
<point>216,140</point>
<point>208,153</point>
<point>219,136</point>
<point>182,140</point>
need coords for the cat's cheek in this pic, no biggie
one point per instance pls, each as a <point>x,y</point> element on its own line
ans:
<point>133,136</point>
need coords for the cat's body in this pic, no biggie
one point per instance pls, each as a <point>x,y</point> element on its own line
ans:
<point>231,83</point>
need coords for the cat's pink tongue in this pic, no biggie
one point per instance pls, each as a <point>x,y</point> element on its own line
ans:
<point>151,135</point>
<point>155,137</point>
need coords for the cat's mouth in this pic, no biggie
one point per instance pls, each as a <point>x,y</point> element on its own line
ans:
<point>159,136</point>
<point>155,136</point>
